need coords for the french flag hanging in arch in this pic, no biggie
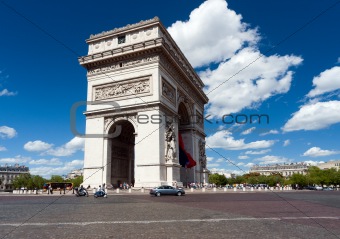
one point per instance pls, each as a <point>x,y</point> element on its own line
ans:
<point>185,159</point>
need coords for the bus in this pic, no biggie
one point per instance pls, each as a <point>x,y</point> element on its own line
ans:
<point>58,186</point>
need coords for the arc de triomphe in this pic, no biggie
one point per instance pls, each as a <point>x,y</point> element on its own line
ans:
<point>144,92</point>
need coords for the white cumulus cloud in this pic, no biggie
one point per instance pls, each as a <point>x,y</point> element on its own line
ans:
<point>327,81</point>
<point>69,148</point>
<point>264,78</point>
<point>273,131</point>
<point>53,161</point>
<point>271,159</point>
<point>37,145</point>
<point>6,92</point>
<point>318,152</point>
<point>16,160</point>
<point>264,151</point>
<point>48,171</point>
<point>286,143</point>
<point>314,116</point>
<point>7,132</point>
<point>213,33</point>
<point>241,67</point>
<point>2,148</point>
<point>248,131</point>
<point>224,139</point>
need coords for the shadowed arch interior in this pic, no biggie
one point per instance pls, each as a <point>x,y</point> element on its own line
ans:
<point>183,115</point>
<point>184,124</point>
<point>122,153</point>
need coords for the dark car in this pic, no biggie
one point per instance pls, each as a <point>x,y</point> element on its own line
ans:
<point>309,188</point>
<point>167,190</point>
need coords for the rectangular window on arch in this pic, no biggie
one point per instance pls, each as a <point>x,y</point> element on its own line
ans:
<point>121,39</point>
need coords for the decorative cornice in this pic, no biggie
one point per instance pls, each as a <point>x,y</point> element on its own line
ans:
<point>121,29</point>
<point>114,65</point>
<point>120,53</point>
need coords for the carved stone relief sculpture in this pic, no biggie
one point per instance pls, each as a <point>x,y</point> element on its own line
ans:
<point>168,91</point>
<point>202,155</point>
<point>170,143</point>
<point>128,88</point>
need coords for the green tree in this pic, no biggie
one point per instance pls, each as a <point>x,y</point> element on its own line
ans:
<point>217,179</point>
<point>77,181</point>
<point>252,180</point>
<point>329,176</point>
<point>23,180</point>
<point>57,179</point>
<point>37,181</point>
<point>274,179</point>
<point>299,179</point>
<point>315,175</point>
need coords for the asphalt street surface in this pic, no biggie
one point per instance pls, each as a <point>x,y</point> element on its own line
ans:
<point>297,214</point>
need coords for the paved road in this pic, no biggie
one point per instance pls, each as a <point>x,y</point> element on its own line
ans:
<point>302,214</point>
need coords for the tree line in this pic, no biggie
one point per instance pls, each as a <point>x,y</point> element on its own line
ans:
<point>37,182</point>
<point>314,176</point>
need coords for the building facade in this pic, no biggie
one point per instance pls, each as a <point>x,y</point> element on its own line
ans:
<point>8,173</point>
<point>286,170</point>
<point>142,93</point>
<point>75,173</point>
<point>331,164</point>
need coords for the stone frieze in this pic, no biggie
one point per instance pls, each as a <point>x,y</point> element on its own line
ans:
<point>122,89</point>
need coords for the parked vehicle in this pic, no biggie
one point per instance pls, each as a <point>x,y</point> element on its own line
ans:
<point>318,188</point>
<point>328,189</point>
<point>81,192</point>
<point>167,190</point>
<point>309,188</point>
<point>100,193</point>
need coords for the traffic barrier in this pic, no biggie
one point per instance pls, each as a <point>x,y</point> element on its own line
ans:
<point>117,190</point>
<point>214,189</point>
<point>225,189</point>
<point>142,190</point>
<point>251,189</point>
<point>235,189</point>
<point>191,189</point>
<point>203,189</point>
<point>129,190</point>
<point>244,189</point>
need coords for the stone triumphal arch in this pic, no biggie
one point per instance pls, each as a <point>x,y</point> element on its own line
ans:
<point>144,94</point>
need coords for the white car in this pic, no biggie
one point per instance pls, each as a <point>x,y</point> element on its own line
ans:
<point>318,188</point>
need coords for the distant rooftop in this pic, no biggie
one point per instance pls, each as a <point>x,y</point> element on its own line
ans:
<point>16,167</point>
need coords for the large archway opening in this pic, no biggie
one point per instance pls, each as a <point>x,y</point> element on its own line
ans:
<point>122,154</point>
<point>184,131</point>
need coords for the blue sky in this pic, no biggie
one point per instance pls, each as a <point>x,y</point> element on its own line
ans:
<point>280,59</point>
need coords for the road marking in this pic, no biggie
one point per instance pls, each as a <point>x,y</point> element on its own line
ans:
<point>167,221</point>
